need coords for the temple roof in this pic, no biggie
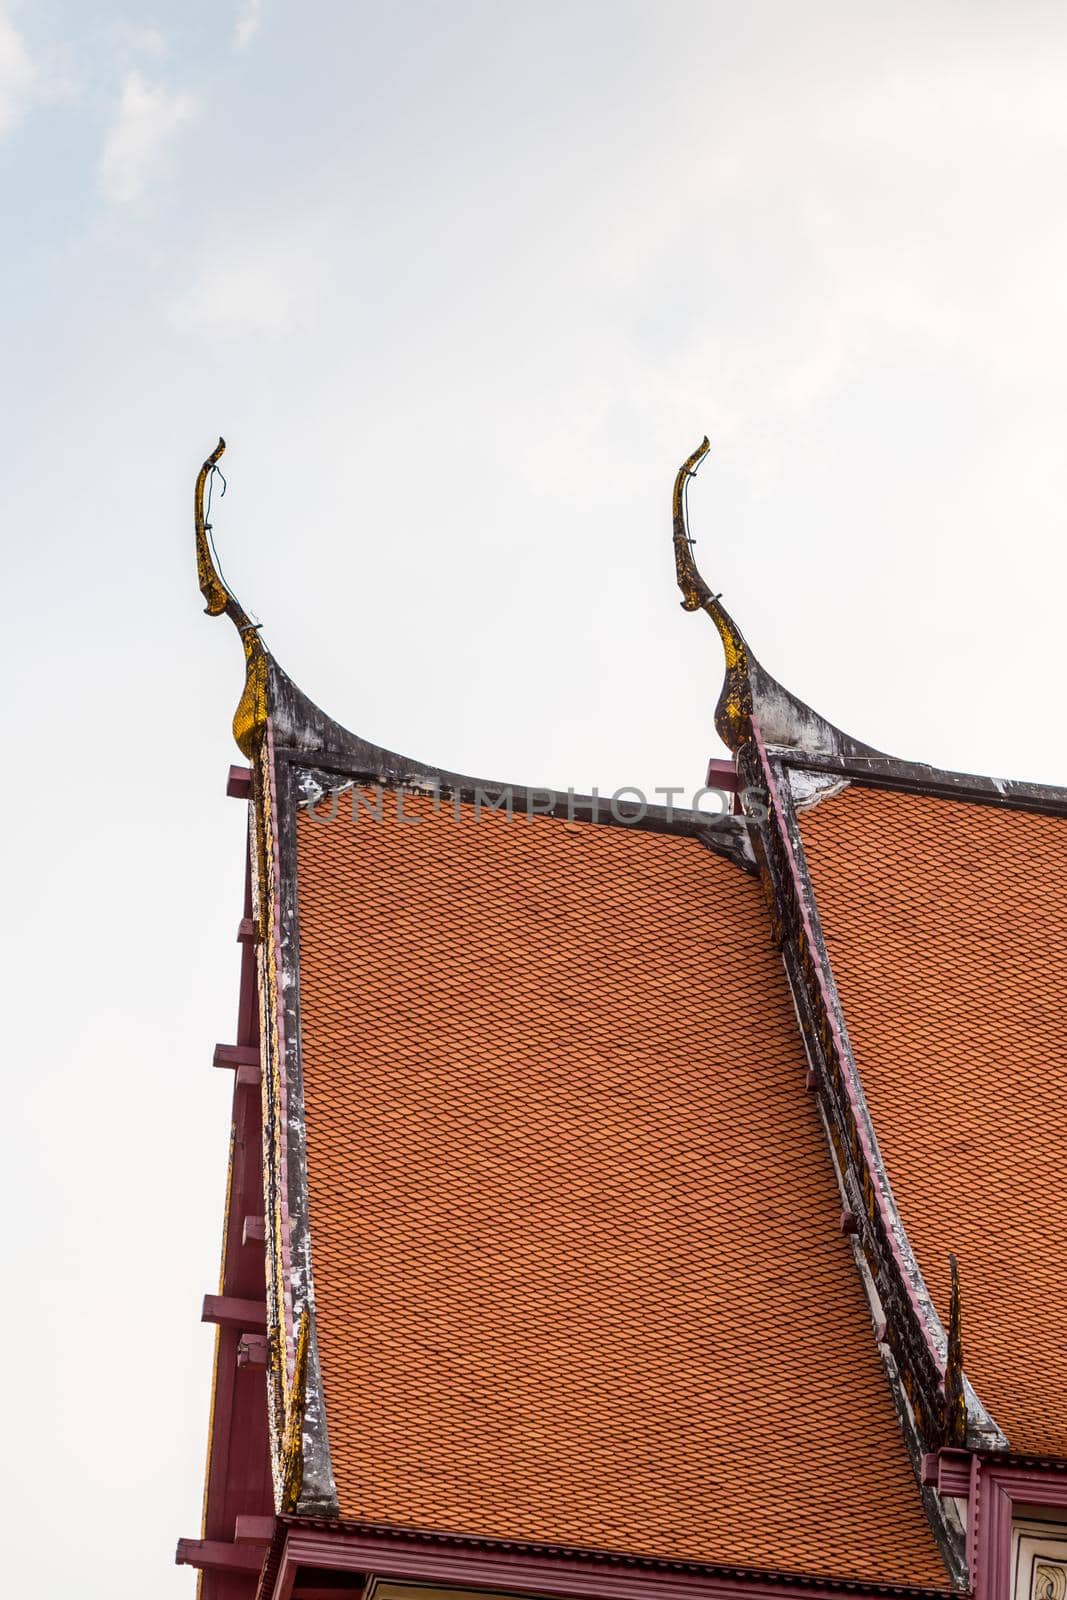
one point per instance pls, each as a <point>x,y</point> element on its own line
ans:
<point>575,1229</point>
<point>614,1162</point>
<point>945,922</point>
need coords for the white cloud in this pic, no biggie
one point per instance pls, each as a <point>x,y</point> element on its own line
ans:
<point>135,40</point>
<point>248,20</point>
<point>16,73</point>
<point>269,286</point>
<point>148,116</point>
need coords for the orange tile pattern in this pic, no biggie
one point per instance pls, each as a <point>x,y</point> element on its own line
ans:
<point>946,925</point>
<point>575,1233</point>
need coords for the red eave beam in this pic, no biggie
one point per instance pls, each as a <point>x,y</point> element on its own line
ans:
<point>239,783</point>
<point>216,1555</point>
<point>308,1553</point>
<point>247,1316</point>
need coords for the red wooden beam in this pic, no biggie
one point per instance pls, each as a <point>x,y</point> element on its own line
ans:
<point>254,1530</point>
<point>308,1554</point>
<point>236,1055</point>
<point>229,1312</point>
<point>248,995</point>
<point>253,1230</point>
<point>246,931</point>
<point>217,1556</point>
<point>239,783</point>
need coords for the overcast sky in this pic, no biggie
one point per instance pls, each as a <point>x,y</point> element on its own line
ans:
<point>461,284</point>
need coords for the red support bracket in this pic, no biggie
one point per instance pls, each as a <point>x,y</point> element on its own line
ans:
<point>217,1556</point>
<point>721,775</point>
<point>236,1055</point>
<point>246,931</point>
<point>948,1471</point>
<point>239,783</point>
<point>253,1230</point>
<point>245,1057</point>
<point>229,1312</point>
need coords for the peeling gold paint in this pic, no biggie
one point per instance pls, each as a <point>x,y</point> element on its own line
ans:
<point>734,710</point>
<point>250,718</point>
<point>292,1477</point>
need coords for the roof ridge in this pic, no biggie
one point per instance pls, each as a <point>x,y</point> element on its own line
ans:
<point>891,772</point>
<point>920,1360</point>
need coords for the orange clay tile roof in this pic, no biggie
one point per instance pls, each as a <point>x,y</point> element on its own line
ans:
<point>579,1277</point>
<point>946,926</point>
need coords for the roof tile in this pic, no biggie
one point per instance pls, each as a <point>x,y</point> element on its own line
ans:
<point>946,926</point>
<point>578,1272</point>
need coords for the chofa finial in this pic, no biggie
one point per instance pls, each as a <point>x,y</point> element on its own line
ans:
<point>694,590</point>
<point>212,587</point>
<point>250,718</point>
<point>734,710</point>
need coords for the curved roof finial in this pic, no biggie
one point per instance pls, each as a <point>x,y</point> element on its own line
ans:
<point>212,587</point>
<point>250,718</point>
<point>734,709</point>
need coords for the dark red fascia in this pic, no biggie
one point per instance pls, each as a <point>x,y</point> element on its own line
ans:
<point>309,1559</point>
<point>230,1553</point>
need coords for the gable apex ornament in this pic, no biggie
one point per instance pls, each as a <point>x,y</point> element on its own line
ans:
<point>250,718</point>
<point>748,690</point>
<point>734,710</point>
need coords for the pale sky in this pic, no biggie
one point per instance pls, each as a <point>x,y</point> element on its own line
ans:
<point>461,284</point>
